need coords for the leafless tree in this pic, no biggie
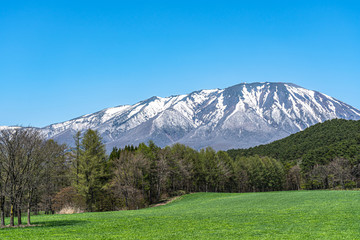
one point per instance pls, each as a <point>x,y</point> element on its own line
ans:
<point>53,172</point>
<point>128,182</point>
<point>293,178</point>
<point>3,182</point>
<point>339,171</point>
<point>161,174</point>
<point>19,152</point>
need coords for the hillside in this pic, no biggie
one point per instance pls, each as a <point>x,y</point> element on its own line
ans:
<point>272,215</point>
<point>320,144</point>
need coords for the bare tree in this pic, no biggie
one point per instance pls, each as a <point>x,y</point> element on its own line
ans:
<point>53,172</point>
<point>293,178</point>
<point>3,182</point>
<point>161,174</point>
<point>18,153</point>
<point>128,180</point>
<point>339,172</point>
<point>46,173</point>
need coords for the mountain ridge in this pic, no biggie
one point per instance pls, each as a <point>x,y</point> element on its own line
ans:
<point>240,116</point>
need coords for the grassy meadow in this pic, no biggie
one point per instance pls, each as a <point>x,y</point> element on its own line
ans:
<point>270,215</point>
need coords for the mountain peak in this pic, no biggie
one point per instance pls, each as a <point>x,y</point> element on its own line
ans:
<point>240,116</point>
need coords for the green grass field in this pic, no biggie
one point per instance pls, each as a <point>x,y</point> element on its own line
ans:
<point>272,215</point>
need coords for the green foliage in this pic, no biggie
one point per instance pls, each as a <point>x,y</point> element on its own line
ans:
<point>318,144</point>
<point>262,173</point>
<point>92,166</point>
<point>271,215</point>
<point>324,156</point>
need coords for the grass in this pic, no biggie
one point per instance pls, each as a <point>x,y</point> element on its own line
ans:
<point>272,215</point>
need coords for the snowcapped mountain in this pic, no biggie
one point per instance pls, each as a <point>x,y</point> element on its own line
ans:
<point>240,116</point>
<point>7,127</point>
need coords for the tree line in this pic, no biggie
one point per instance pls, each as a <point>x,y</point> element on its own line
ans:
<point>316,145</point>
<point>324,156</point>
<point>41,175</point>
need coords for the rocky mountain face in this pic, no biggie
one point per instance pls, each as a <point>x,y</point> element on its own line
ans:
<point>240,116</point>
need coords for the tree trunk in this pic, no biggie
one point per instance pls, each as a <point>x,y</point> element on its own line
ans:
<point>29,208</point>
<point>50,207</point>
<point>12,215</point>
<point>19,215</point>
<point>2,210</point>
<point>28,214</point>
<point>126,200</point>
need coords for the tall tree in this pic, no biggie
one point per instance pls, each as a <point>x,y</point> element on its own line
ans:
<point>33,175</point>
<point>3,182</point>
<point>76,153</point>
<point>18,150</point>
<point>92,164</point>
<point>128,181</point>
<point>54,172</point>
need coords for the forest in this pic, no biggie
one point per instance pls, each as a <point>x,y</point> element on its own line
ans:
<point>42,176</point>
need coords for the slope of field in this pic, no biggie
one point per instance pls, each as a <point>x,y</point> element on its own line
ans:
<point>271,215</point>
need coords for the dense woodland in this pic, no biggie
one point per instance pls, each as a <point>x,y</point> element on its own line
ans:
<point>40,175</point>
<point>326,154</point>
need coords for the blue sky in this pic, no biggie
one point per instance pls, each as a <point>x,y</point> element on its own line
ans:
<point>63,59</point>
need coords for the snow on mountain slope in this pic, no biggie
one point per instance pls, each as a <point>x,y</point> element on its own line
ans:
<point>240,116</point>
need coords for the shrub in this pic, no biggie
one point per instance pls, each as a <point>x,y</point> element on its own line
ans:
<point>68,198</point>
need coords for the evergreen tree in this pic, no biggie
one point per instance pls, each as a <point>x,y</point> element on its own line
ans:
<point>92,165</point>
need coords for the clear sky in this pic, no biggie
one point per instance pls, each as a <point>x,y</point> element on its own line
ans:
<point>63,59</point>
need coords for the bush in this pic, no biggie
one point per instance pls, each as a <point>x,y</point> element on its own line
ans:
<point>68,198</point>
<point>350,185</point>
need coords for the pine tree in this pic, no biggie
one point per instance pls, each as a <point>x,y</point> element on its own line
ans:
<point>92,165</point>
<point>76,152</point>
